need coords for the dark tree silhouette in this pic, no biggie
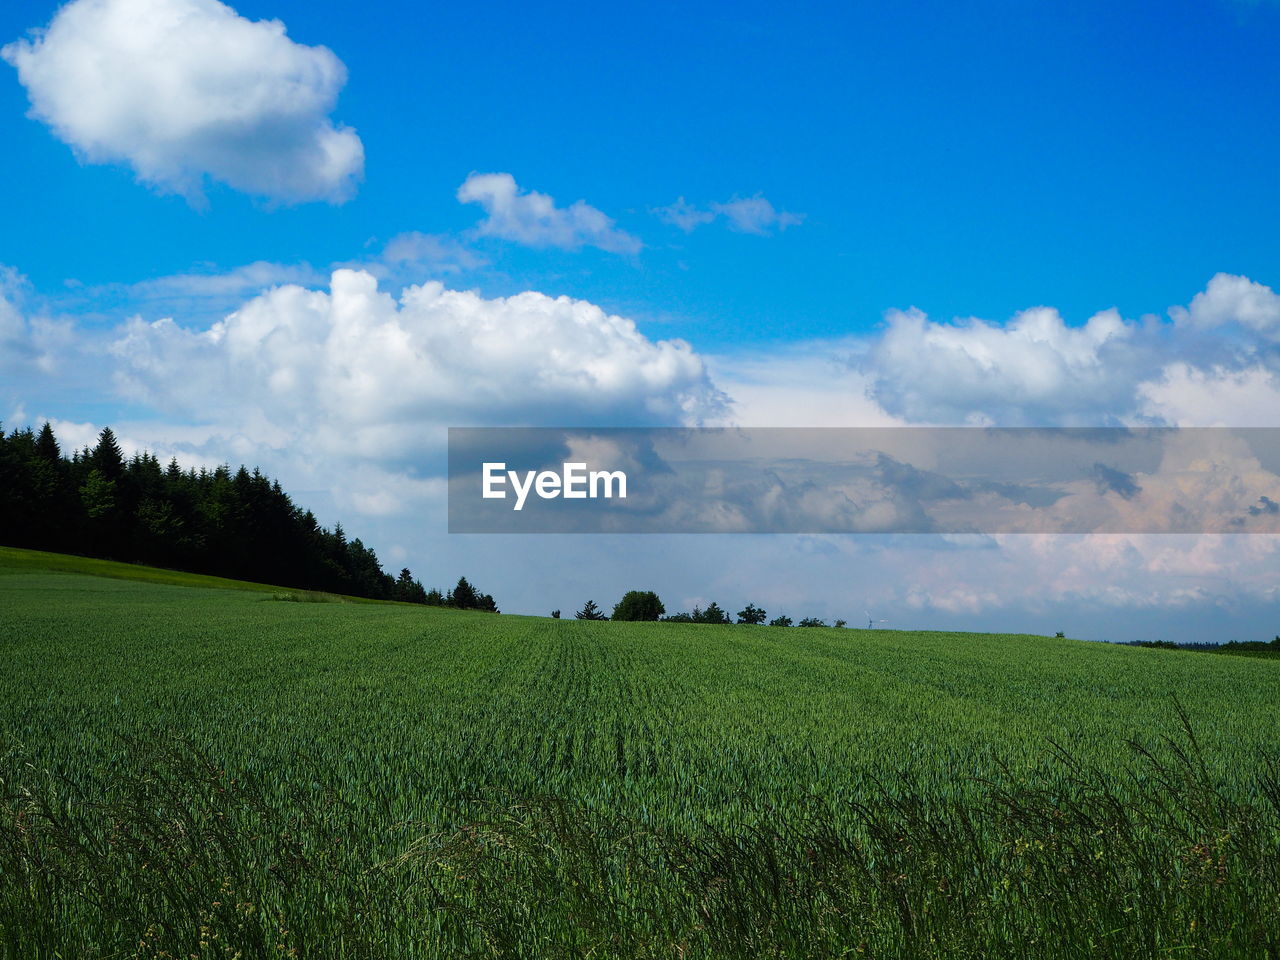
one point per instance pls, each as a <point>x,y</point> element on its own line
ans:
<point>590,611</point>
<point>713,614</point>
<point>783,621</point>
<point>751,614</point>
<point>638,605</point>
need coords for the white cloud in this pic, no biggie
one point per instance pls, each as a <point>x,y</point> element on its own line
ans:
<point>355,373</point>
<point>13,326</point>
<point>756,215</point>
<point>533,218</point>
<point>1230,299</point>
<point>684,215</point>
<point>811,384</point>
<point>1034,371</point>
<point>436,254</point>
<point>1188,396</point>
<point>29,345</point>
<point>744,214</point>
<point>249,278</point>
<point>181,90</point>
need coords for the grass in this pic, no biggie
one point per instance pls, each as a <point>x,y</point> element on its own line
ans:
<point>194,772</point>
<point>14,560</point>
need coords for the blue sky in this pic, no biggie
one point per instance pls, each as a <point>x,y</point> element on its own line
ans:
<point>969,160</point>
<point>838,163</point>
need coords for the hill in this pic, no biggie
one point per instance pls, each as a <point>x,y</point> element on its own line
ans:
<point>229,524</point>
<point>199,769</point>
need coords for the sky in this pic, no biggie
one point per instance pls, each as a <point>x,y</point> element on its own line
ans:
<point>309,239</point>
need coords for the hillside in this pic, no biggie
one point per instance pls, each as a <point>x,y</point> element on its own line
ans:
<point>398,780</point>
<point>17,561</point>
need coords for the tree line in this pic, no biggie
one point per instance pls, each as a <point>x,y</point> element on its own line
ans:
<point>646,605</point>
<point>241,524</point>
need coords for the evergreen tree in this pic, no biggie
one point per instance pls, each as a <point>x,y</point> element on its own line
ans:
<point>590,611</point>
<point>47,445</point>
<point>106,457</point>
<point>713,614</point>
<point>409,590</point>
<point>463,596</point>
<point>98,494</point>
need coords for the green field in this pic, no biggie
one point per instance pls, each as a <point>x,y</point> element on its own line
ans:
<point>195,770</point>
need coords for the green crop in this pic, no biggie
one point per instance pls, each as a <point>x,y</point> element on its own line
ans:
<point>188,771</point>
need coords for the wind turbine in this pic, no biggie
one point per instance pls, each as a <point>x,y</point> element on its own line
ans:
<point>870,622</point>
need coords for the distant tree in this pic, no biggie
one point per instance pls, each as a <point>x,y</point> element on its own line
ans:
<point>106,457</point>
<point>842,623</point>
<point>463,595</point>
<point>812,622</point>
<point>783,621</point>
<point>751,614</point>
<point>639,605</point>
<point>409,590</point>
<point>1060,635</point>
<point>713,614</point>
<point>555,614</point>
<point>590,611</point>
<point>679,618</point>
<point>434,598</point>
<point>47,445</point>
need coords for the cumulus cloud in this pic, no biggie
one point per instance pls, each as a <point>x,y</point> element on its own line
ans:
<point>1035,370</point>
<point>533,218</point>
<point>1213,362</point>
<point>816,383</point>
<point>1218,396</point>
<point>744,214</point>
<point>184,90</point>
<point>1230,299</point>
<point>355,372</point>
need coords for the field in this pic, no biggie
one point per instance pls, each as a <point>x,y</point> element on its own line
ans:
<point>198,770</point>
